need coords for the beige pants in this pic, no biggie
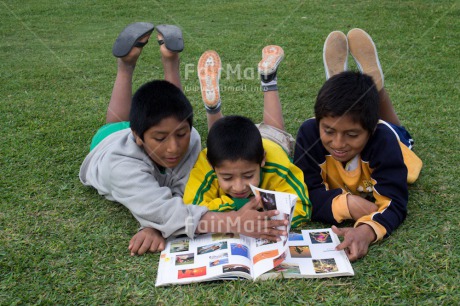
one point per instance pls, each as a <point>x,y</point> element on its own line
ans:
<point>283,138</point>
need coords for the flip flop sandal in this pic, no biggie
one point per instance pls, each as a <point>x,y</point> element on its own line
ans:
<point>129,37</point>
<point>172,37</point>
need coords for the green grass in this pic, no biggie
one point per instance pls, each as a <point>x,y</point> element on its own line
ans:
<point>61,243</point>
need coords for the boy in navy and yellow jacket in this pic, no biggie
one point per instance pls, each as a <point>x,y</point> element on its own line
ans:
<point>356,166</point>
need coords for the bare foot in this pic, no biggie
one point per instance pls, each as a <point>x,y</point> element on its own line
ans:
<point>167,54</point>
<point>171,63</point>
<point>130,60</point>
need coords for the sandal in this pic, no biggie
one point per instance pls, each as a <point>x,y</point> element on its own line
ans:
<point>129,37</point>
<point>172,37</point>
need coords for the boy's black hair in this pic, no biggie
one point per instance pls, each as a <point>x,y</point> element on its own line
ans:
<point>233,138</point>
<point>155,101</point>
<point>349,93</point>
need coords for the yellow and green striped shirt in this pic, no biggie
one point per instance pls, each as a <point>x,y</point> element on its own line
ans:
<point>278,174</point>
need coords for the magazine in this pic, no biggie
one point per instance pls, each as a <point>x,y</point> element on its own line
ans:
<point>312,254</point>
<point>208,257</point>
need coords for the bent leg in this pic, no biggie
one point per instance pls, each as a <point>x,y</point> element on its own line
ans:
<point>171,62</point>
<point>271,58</point>
<point>209,68</point>
<point>212,118</point>
<point>364,51</point>
<point>120,101</point>
<point>386,109</point>
<point>273,113</point>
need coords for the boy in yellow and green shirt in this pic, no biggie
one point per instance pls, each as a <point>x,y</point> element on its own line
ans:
<point>240,153</point>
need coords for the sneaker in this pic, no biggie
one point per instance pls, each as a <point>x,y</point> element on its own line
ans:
<point>363,50</point>
<point>335,54</point>
<point>209,67</point>
<point>271,57</point>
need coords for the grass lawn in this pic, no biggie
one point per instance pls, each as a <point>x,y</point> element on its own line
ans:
<point>61,243</point>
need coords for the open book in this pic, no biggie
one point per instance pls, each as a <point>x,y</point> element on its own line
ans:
<point>209,257</point>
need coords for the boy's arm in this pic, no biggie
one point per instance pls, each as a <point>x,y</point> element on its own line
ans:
<point>155,207</point>
<point>152,205</point>
<point>372,227</point>
<point>308,155</point>
<point>356,240</point>
<point>146,240</point>
<point>389,179</point>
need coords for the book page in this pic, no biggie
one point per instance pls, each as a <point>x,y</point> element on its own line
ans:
<point>207,257</point>
<point>267,254</point>
<point>312,254</point>
<point>227,256</point>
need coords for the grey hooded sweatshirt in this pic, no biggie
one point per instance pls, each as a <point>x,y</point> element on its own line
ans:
<point>121,171</point>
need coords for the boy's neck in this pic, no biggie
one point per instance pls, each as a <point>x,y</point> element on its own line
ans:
<point>352,164</point>
<point>160,168</point>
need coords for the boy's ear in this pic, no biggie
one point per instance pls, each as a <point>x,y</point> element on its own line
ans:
<point>263,160</point>
<point>139,141</point>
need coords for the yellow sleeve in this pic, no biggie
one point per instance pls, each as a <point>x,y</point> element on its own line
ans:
<point>203,189</point>
<point>340,212</point>
<point>414,166</point>
<point>340,208</point>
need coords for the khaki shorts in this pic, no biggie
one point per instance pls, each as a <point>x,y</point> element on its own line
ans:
<point>283,138</point>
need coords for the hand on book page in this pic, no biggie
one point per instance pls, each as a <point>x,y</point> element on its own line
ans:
<point>356,240</point>
<point>257,224</point>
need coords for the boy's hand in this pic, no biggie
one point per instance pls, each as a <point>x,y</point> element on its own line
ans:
<point>356,240</point>
<point>146,240</point>
<point>253,223</point>
<point>360,207</point>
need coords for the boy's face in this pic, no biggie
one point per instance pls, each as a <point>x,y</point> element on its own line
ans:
<point>342,137</point>
<point>234,177</point>
<point>167,142</point>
